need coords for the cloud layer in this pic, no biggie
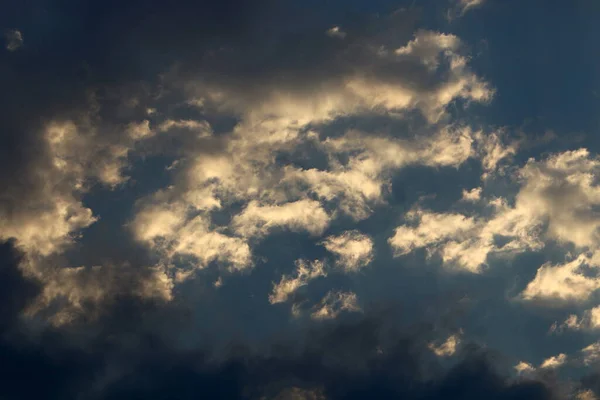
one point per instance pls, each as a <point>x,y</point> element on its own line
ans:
<point>263,200</point>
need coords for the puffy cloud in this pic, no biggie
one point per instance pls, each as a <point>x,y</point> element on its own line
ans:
<point>47,222</point>
<point>79,150</point>
<point>69,294</point>
<point>301,215</point>
<point>466,241</point>
<point>473,195</point>
<point>432,229</point>
<point>158,221</point>
<point>139,130</point>
<point>560,192</point>
<point>202,128</point>
<point>460,240</point>
<point>369,85</point>
<point>284,86</point>
<point>524,368</point>
<point>554,361</point>
<point>288,285</point>
<point>594,315</point>
<point>168,229</point>
<point>243,167</point>
<point>50,230</point>
<point>57,160</point>
<point>446,349</point>
<point>353,249</point>
<point>566,282</point>
<point>591,353</point>
<point>572,322</point>
<point>493,150</point>
<point>75,153</point>
<point>197,238</point>
<point>358,183</point>
<point>427,47</point>
<point>562,189</point>
<point>556,200</point>
<point>590,320</point>
<point>334,303</point>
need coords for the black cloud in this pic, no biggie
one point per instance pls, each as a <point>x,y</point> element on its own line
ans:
<point>352,360</point>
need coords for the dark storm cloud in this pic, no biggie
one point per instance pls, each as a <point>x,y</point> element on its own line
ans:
<point>15,290</point>
<point>352,360</point>
<point>22,360</point>
<point>347,361</point>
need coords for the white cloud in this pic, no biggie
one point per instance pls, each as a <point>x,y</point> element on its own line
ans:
<point>565,282</point>
<point>524,368</point>
<point>242,167</point>
<point>48,226</point>
<point>50,220</point>
<point>74,155</point>
<point>78,290</point>
<point>353,249</point>
<point>432,229</point>
<point>429,47</point>
<point>198,239</point>
<point>139,130</point>
<point>556,201</point>
<point>591,353</point>
<point>493,150</point>
<point>590,320</point>
<point>465,241</point>
<point>355,90</point>
<point>554,361</point>
<point>201,128</point>
<point>446,349</point>
<point>562,190</point>
<point>457,238</point>
<point>79,151</point>
<point>158,221</point>
<point>472,196</point>
<point>301,215</point>
<point>573,322</point>
<point>594,317</point>
<point>334,303</point>
<point>357,183</point>
<point>305,272</point>
<point>168,229</point>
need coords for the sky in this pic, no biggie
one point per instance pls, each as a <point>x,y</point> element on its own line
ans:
<point>313,200</point>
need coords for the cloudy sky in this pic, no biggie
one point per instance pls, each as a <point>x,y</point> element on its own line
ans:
<point>300,200</point>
